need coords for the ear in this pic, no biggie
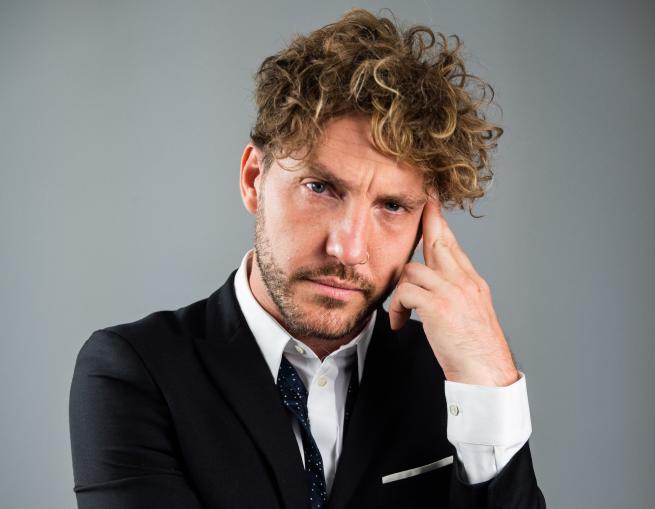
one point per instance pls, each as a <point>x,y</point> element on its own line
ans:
<point>251,176</point>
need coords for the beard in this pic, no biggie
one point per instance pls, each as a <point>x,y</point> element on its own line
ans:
<point>329,321</point>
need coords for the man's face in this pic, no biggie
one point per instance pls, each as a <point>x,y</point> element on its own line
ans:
<point>349,218</point>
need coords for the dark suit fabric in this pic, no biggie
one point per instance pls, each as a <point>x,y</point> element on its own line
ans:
<point>179,410</point>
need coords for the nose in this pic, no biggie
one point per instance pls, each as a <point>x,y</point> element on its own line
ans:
<point>348,237</point>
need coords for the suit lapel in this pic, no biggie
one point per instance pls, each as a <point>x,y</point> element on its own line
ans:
<point>230,354</point>
<point>370,414</point>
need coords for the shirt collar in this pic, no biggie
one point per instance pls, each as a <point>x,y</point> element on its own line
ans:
<point>273,339</point>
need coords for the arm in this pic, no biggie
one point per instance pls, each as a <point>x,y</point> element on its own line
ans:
<point>455,306</point>
<point>124,450</point>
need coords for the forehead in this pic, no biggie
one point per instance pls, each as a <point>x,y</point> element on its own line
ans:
<point>346,149</point>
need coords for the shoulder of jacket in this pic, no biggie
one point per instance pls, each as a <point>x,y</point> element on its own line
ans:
<point>162,326</point>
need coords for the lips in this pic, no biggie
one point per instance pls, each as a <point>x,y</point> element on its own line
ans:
<point>335,283</point>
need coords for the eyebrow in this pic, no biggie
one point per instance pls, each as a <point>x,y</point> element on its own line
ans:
<point>407,200</point>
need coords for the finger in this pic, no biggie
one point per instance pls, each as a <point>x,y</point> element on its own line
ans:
<point>418,241</point>
<point>456,250</point>
<point>436,239</point>
<point>440,258</point>
<point>431,228</point>
<point>426,278</point>
<point>406,297</point>
<point>443,251</point>
<point>398,314</point>
<point>465,263</point>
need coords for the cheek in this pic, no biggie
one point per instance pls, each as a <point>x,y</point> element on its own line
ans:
<point>291,223</point>
<point>297,202</point>
<point>394,239</point>
<point>280,211</point>
<point>392,250</point>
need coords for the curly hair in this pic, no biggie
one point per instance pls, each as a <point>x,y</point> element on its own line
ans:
<point>425,109</point>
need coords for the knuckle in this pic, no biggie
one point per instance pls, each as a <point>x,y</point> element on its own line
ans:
<point>484,286</point>
<point>439,242</point>
<point>402,287</point>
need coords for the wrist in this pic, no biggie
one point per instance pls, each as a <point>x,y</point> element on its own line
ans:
<point>485,376</point>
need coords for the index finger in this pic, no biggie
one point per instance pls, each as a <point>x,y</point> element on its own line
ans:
<point>431,219</point>
<point>436,229</point>
<point>433,229</point>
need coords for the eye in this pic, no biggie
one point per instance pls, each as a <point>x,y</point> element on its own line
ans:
<point>317,187</point>
<point>393,206</point>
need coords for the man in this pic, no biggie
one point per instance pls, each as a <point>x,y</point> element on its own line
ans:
<point>291,386</point>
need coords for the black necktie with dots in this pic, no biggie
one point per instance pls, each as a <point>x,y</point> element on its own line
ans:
<point>294,396</point>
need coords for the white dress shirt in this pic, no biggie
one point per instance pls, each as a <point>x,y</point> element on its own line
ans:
<point>487,425</point>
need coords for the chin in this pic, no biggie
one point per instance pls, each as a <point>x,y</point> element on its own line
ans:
<point>318,322</point>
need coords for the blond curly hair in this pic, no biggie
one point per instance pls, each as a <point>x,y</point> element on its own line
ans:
<point>424,108</point>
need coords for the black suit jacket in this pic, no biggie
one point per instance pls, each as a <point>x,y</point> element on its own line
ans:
<point>179,410</point>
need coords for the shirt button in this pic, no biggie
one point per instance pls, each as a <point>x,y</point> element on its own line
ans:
<point>300,349</point>
<point>322,381</point>
<point>454,410</point>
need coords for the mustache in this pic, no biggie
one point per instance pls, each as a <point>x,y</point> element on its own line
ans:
<point>339,271</point>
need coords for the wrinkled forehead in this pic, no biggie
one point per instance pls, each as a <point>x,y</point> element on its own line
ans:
<point>347,143</point>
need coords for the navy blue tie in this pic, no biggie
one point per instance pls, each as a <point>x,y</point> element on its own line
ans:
<point>294,396</point>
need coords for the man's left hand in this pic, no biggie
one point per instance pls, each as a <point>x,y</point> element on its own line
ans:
<point>454,304</point>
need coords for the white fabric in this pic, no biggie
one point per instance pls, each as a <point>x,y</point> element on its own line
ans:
<point>398,476</point>
<point>327,384</point>
<point>489,425</point>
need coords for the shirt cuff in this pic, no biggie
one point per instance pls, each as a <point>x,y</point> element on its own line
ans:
<point>487,425</point>
<point>480,414</point>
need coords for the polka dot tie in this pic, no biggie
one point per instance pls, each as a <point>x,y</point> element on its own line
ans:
<point>294,397</point>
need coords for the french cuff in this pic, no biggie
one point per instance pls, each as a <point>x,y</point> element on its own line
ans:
<point>495,416</point>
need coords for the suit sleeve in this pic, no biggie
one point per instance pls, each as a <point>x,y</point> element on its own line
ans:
<point>125,454</point>
<point>514,487</point>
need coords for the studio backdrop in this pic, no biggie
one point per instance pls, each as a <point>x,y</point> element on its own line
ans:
<point>121,130</point>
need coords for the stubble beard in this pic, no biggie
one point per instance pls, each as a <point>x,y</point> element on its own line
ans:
<point>327,323</point>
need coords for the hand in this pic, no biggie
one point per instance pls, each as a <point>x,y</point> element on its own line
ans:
<point>454,304</point>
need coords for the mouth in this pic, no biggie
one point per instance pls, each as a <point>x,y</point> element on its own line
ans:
<point>335,283</point>
<point>334,288</point>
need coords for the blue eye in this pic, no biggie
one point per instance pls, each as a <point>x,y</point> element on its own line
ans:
<point>394,206</point>
<point>321,187</point>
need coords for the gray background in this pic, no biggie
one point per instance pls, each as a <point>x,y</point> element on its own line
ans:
<point>121,129</point>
